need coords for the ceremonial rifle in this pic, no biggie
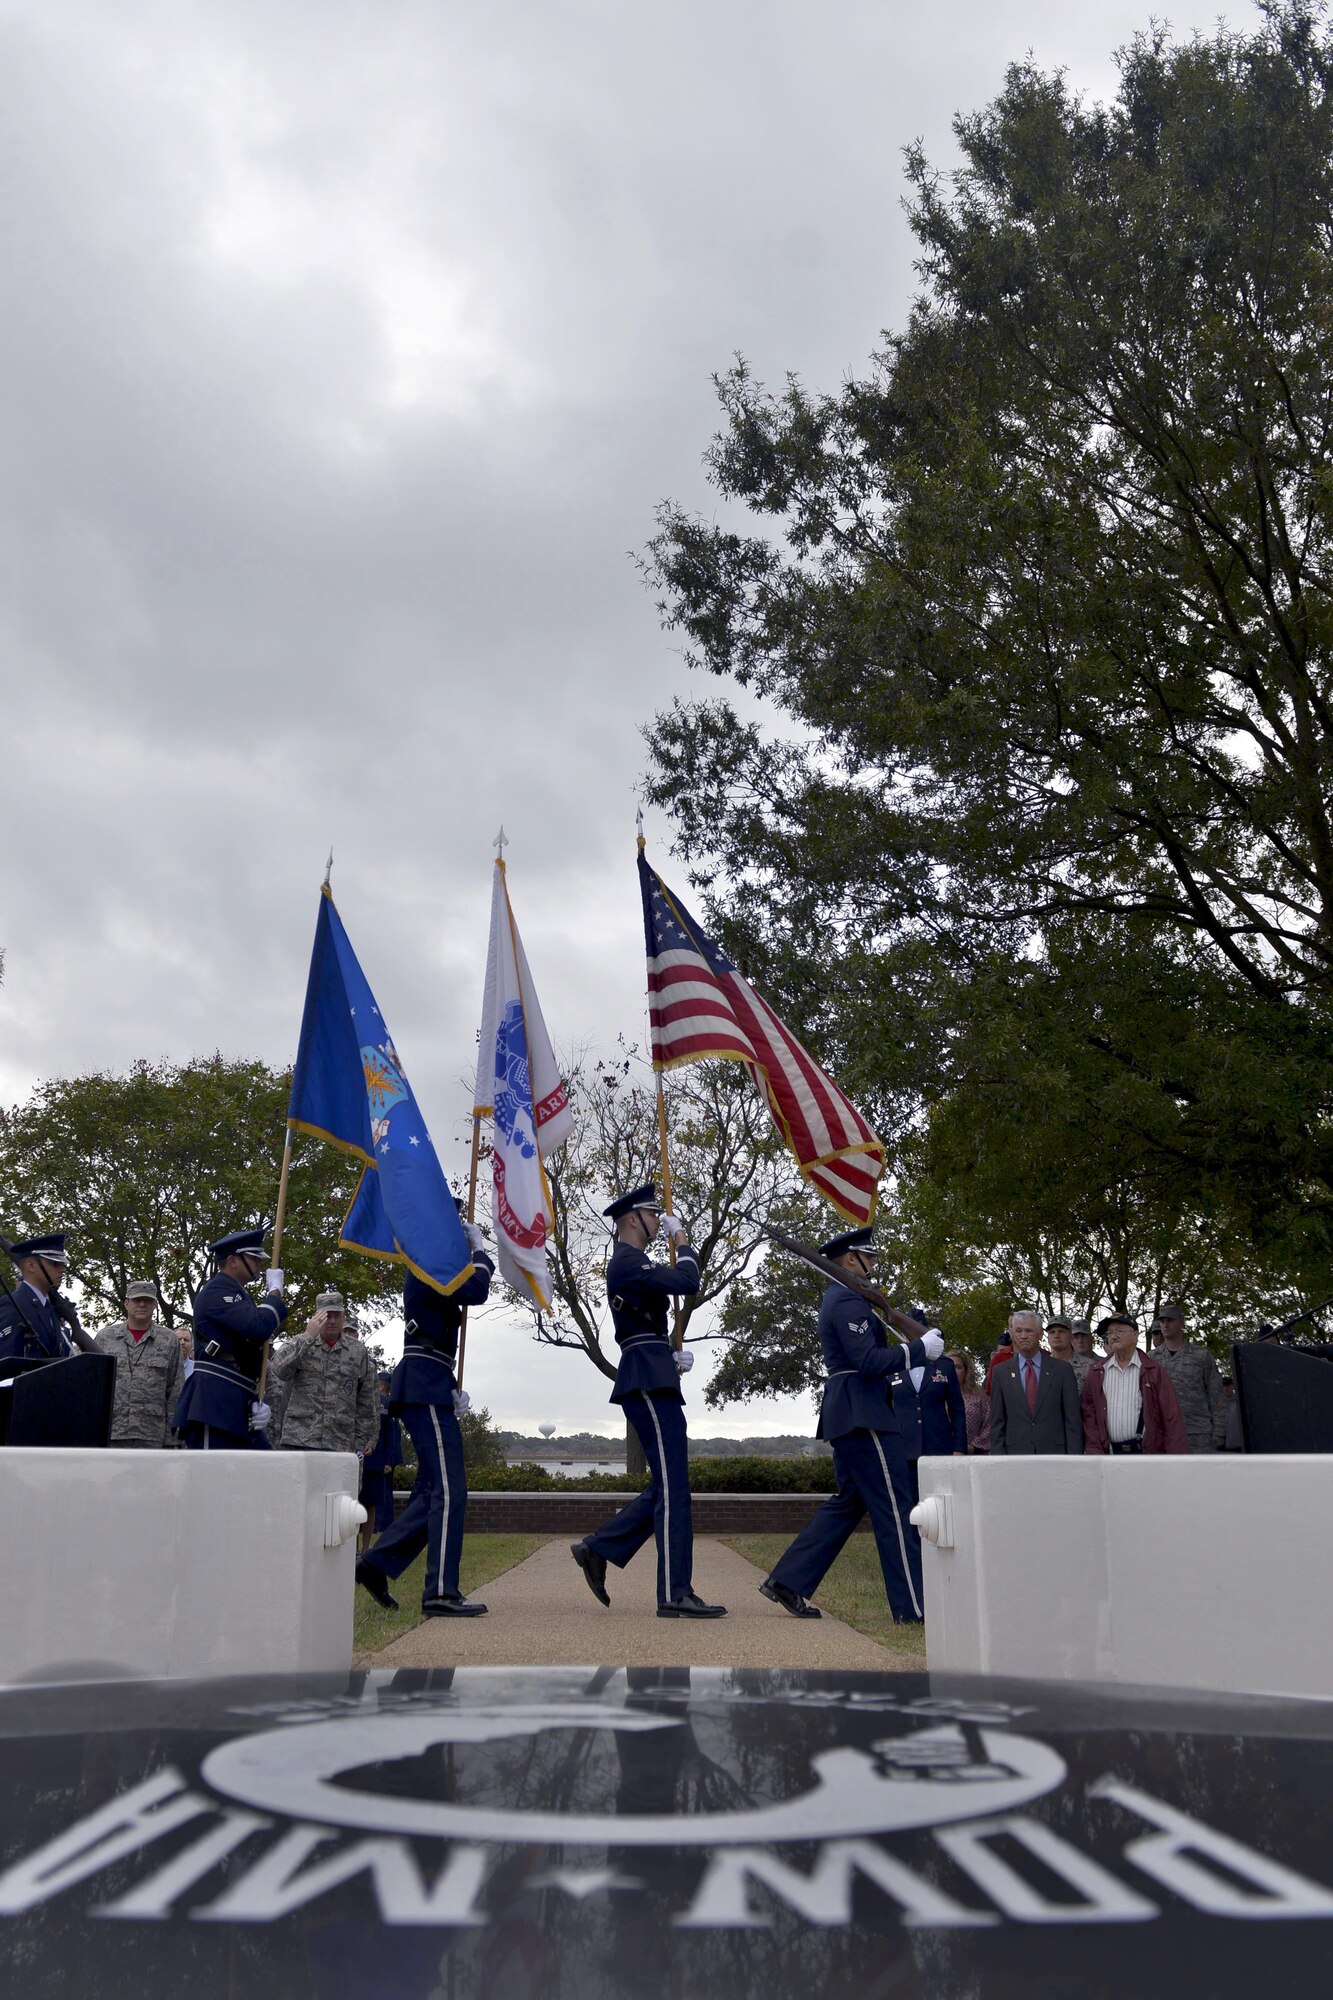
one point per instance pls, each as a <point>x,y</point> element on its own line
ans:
<point>1280,1332</point>
<point>854,1282</point>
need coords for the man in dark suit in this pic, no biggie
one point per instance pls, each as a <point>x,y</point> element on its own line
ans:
<point>1034,1403</point>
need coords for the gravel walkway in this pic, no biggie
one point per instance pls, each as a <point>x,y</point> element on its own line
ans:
<point>543,1614</point>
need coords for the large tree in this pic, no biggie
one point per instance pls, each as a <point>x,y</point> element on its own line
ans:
<point>1039,620</point>
<point>148,1168</point>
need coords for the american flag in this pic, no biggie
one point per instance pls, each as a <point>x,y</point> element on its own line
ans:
<point>699,1005</point>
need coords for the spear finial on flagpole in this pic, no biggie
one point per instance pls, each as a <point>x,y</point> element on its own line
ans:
<point>500,842</point>
<point>328,871</point>
<point>638,821</point>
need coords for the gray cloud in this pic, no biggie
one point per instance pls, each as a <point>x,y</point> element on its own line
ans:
<point>346,353</point>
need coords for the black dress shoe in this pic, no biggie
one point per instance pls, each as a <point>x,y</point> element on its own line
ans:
<point>790,1600</point>
<point>452,1607</point>
<point>377,1583</point>
<point>690,1606</point>
<point>594,1570</point>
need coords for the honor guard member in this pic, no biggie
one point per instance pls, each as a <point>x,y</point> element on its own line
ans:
<point>648,1389</point>
<point>426,1395</point>
<point>32,1323</point>
<point>218,1410</point>
<point>856,1417</point>
<point>932,1417</point>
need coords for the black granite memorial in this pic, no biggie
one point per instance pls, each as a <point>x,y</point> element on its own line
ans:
<point>57,1402</point>
<point>619,1835</point>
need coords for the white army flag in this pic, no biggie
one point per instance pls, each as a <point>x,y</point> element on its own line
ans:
<point>519,1087</point>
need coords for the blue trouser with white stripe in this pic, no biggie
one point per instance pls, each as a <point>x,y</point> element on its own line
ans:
<point>872,1479</point>
<point>433,1517</point>
<point>663,1507</point>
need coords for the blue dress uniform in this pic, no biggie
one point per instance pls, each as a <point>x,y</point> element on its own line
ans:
<point>30,1327</point>
<point>647,1386</point>
<point>230,1332</point>
<point>422,1394</point>
<point>857,1419</point>
<point>378,1464</point>
<point>932,1418</point>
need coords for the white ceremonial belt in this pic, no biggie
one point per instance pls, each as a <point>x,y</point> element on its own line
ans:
<point>642,1340</point>
<point>429,1354</point>
<point>225,1374</point>
<point>841,1371</point>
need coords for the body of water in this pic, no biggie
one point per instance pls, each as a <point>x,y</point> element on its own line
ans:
<point>569,1468</point>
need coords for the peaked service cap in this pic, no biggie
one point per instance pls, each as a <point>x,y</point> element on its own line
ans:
<point>639,1197</point>
<point>50,1247</point>
<point>851,1239</point>
<point>241,1242</point>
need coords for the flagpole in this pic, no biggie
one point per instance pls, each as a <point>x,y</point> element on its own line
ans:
<point>499,844</point>
<point>677,1335</point>
<point>279,1218</point>
<point>471,1216</point>
<point>280,1215</point>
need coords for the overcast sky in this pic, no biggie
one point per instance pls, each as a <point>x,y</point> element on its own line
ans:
<point>346,351</point>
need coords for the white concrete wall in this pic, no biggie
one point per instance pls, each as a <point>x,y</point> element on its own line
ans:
<point>172,1564</point>
<point>1208,1572</point>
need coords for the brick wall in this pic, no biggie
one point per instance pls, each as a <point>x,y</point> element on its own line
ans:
<point>577,1514</point>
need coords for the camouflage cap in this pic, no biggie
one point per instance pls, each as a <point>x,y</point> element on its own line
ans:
<point>330,1302</point>
<point>141,1288</point>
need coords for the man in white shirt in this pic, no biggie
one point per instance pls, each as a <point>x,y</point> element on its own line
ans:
<point>1129,1406</point>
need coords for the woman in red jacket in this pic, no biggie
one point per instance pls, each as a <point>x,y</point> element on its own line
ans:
<point>1129,1403</point>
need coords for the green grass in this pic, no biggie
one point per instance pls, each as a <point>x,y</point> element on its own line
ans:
<point>853,1590</point>
<point>484,1557</point>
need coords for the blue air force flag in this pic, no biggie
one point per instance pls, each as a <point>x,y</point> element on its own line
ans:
<point>520,1087</point>
<point>349,1088</point>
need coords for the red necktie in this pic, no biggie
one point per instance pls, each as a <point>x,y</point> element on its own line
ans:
<point>1031,1385</point>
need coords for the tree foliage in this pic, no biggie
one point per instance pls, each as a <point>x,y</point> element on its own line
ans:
<point>725,1169</point>
<point>145,1170</point>
<point>1029,816</point>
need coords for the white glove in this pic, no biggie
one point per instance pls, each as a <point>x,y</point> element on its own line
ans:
<point>472,1231</point>
<point>462,1400</point>
<point>273,1281</point>
<point>672,1224</point>
<point>933,1343</point>
<point>260,1415</point>
<point>684,1360</point>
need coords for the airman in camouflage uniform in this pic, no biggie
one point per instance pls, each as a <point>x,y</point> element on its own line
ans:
<point>323,1386</point>
<point>1197,1381</point>
<point>1083,1355</point>
<point>149,1372</point>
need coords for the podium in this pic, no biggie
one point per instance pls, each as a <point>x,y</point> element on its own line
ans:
<point>1285,1396</point>
<point>57,1402</point>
